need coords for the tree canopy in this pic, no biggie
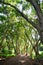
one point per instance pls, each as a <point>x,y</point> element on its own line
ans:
<point>21,26</point>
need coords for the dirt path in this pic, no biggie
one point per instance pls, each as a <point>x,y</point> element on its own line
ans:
<point>19,60</point>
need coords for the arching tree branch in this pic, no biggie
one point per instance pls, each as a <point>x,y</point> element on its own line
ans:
<point>37,9</point>
<point>23,15</point>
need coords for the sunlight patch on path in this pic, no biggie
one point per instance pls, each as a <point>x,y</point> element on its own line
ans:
<point>22,61</point>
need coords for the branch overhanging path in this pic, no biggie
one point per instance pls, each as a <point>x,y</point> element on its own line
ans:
<point>37,9</point>
<point>23,15</point>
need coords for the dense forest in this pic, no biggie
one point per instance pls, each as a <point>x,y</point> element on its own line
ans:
<point>21,31</point>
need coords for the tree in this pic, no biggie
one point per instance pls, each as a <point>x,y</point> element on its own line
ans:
<point>21,26</point>
<point>39,24</point>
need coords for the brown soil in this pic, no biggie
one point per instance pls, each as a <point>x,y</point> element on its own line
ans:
<point>20,60</point>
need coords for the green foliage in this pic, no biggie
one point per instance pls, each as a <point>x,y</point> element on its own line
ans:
<point>40,57</point>
<point>17,36</point>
